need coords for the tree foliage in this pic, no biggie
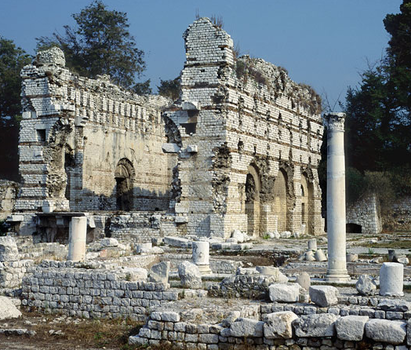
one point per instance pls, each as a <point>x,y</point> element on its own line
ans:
<point>379,110</point>
<point>100,44</point>
<point>12,60</point>
<point>170,88</point>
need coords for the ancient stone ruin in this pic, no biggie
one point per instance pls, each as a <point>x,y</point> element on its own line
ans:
<point>199,218</point>
<point>239,149</point>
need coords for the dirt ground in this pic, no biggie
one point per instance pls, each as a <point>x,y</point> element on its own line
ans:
<point>63,333</point>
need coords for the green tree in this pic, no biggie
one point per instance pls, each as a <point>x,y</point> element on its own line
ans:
<point>100,44</point>
<point>378,122</point>
<point>12,60</point>
<point>170,88</point>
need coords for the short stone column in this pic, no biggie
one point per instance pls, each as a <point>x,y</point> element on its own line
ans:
<point>77,239</point>
<point>336,222</point>
<point>391,279</point>
<point>201,256</point>
<point>312,244</point>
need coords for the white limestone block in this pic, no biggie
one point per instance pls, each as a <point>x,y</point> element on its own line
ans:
<point>316,325</point>
<point>245,327</point>
<point>159,272</point>
<point>324,295</point>
<point>366,285</point>
<point>278,325</point>
<point>386,331</point>
<point>7,309</point>
<point>190,275</point>
<point>281,292</point>
<point>170,148</point>
<point>304,280</point>
<point>351,327</point>
<point>8,249</point>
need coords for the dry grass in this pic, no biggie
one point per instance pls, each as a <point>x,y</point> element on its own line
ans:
<point>74,332</point>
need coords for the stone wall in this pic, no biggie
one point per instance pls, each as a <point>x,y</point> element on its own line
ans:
<point>398,216</point>
<point>366,212</point>
<point>86,144</point>
<point>238,150</point>
<point>12,273</point>
<point>84,292</point>
<point>250,142</point>
<point>283,330</point>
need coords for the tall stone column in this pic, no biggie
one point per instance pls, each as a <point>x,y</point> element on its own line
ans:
<point>336,224</point>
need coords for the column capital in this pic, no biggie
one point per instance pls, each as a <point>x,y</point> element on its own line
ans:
<point>334,121</point>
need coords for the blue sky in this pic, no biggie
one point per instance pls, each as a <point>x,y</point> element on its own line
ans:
<point>323,43</point>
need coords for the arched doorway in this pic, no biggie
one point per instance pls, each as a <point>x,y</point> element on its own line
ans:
<point>124,176</point>
<point>280,200</point>
<point>307,205</point>
<point>252,201</point>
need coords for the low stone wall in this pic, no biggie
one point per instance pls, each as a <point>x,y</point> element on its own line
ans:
<point>12,273</point>
<point>142,226</point>
<point>58,287</point>
<point>278,330</point>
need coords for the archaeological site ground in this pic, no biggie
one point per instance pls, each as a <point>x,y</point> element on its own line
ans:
<point>142,222</point>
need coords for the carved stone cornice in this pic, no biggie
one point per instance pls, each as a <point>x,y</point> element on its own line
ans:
<point>334,121</point>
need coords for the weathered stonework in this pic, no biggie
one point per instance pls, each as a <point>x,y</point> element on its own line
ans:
<point>238,150</point>
<point>257,138</point>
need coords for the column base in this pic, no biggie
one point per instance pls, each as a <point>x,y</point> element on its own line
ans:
<point>337,276</point>
<point>204,269</point>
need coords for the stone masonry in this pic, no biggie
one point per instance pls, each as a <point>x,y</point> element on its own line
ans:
<point>250,142</point>
<point>238,150</point>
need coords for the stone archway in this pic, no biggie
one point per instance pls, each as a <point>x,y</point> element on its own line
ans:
<point>252,201</point>
<point>307,204</point>
<point>124,176</point>
<point>280,201</point>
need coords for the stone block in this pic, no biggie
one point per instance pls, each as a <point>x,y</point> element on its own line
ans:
<point>288,293</point>
<point>303,279</point>
<point>8,309</point>
<point>366,285</point>
<point>317,325</point>
<point>278,325</point>
<point>8,249</point>
<point>324,295</point>
<point>159,272</point>
<point>190,275</point>
<point>351,328</point>
<point>245,327</point>
<point>386,331</point>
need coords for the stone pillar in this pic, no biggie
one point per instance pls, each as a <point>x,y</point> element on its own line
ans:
<point>336,230</point>
<point>201,256</point>
<point>77,239</point>
<point>391,279</point>
<point>312,244</point>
